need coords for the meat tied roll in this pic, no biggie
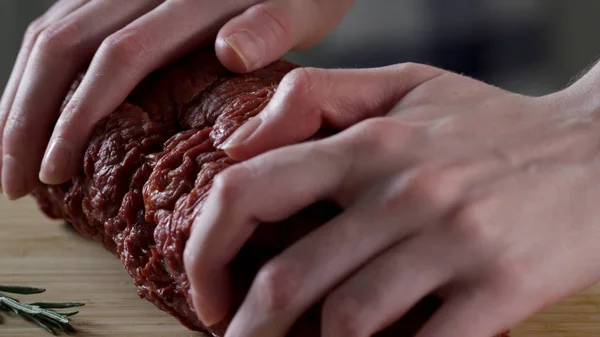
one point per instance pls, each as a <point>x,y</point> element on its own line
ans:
<point>149,167</point>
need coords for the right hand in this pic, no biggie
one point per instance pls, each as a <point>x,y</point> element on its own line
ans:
<point>123,42</point>
<point>447,186</point>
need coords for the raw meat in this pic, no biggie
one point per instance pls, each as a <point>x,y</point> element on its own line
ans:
<point>149,167</point>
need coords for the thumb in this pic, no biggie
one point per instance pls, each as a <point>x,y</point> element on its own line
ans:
<point>266,31</point>
<point>308,99</point>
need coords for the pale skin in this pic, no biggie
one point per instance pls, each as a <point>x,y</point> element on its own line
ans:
<point>124,41</point>
<point>449,186</point>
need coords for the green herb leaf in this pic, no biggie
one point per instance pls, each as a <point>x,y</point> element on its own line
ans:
<point>20,307</point>
<point>52,305</point>
<point>68,314</point>
<point>40,313</point>
<point>67,328</point>
<point>41,323</point>
<point>20,290</point>
<point>54,316</point>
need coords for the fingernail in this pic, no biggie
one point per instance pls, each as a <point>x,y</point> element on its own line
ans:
<point>249,47</point>
<point>13,178</point>
<point>241,134</point>
<point>205,315</point>
<point>56,162</point>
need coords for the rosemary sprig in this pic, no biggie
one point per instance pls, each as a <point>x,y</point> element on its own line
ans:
<point>40,313</point>
<point>21,290</point>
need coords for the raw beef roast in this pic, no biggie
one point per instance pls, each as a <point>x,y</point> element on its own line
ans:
<point>149,167</point>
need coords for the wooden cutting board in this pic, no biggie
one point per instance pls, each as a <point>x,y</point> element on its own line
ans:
<point>35,251</point>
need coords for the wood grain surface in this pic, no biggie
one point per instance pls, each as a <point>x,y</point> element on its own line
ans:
<point>35,251</point>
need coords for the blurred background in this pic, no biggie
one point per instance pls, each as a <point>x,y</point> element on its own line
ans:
<point>529,46</point>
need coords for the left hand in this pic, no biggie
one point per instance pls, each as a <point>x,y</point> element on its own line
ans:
<point>121,43</point>
<point>485,198</point>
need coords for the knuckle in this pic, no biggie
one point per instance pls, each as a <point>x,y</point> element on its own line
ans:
<point>470,222</point>
<point>426,187</point>
<point>14,135</point>
<point>60,39</point>
<point>14,125</point>
<point>434,185</point>
<point>189,260</point>
<point>276,285</point>
<point>301,81</point>
<point>414,69</point>
<point>303,86</point>
<point>415,77</point>
<point>72,110</point>
<point>127,47</point>
<point>374,129</point>
<point>277,20</point>
<point>381,135</point>
<point>377,126</point>
<point>344,315</point>
<point>227,184</point>
<point>34,29</point>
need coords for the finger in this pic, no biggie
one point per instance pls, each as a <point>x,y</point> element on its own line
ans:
<point>59,10</point>
<point>308,99</point>
<point>218,222</point>
<point>265,32</point>
<point>61,50</point>
<point>381,217</point>
<point>313,171</point>
<point>475,312</point>
<point>285,287</point>
<point>289,179</point>
<point>386,288</point>
<point>279,296</point>
<point>122,61</point>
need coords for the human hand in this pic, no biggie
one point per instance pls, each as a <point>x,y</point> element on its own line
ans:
<point>450,187</point>
<point>124,41</point>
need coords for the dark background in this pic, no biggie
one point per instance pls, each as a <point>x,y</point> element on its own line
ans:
<point>529,46</point>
